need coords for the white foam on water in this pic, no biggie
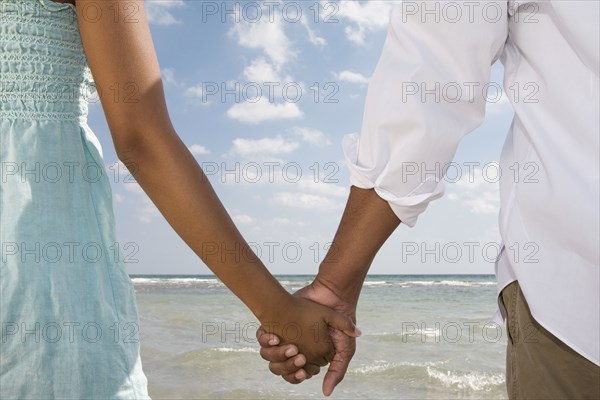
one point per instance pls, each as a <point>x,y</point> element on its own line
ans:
<point>382,366</point>
<point>478,381</point>
<point>429,332</point>
<point>236,350</point>
<point>385,333</point>
<point>184,281</point>
<point>447,283</point>
<point>376,283</point>
<point>426,332</point>
<point>373,368</point>
<point>144,280</point>
<point>303,283</point>
<point>417,334</point>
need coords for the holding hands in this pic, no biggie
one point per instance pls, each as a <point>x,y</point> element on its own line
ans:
<point>301,335</point>
<point>296,364</point>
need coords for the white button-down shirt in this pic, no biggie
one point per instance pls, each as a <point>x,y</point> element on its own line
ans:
<point>426,94</point>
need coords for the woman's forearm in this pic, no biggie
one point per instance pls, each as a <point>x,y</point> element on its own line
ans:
<point>170,175</point>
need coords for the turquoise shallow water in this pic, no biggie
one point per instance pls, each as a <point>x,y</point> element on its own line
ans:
<point>424,337</point>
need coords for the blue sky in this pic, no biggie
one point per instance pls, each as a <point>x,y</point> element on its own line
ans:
<point>287,181</point>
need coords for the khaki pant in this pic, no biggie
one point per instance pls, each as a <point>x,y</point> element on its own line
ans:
<point>538,365</point>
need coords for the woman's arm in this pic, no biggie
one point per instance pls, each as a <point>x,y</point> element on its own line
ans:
<point>120,52</point>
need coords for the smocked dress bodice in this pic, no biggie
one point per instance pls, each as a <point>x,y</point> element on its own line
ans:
<point>44,71</point>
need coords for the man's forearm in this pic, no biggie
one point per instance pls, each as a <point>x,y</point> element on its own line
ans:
<point>366,224</point>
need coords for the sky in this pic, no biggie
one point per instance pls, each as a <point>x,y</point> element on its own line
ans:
<point>262,93</point>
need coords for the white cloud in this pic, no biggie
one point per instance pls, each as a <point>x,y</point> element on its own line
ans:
<point>198,150</point>
<point>279,174</point>
<point>356,35</point>
<point>288,222</point>
<point>305,201</point>
<point>310,194</point>
<point>262,110</point>
<point>352,77</point>
<point>260,70</point>
<point>194,91</point>
<point>168,76</point>
<point>148,211</point>
<point>270,37</point>
<point>476,178</point>
<point>478,190</point>
<point>313,37</point>
<point>312,136</point>
<point>322,188</point>
<point>483,203</point>
<point>196,95</point>
<point>159,12</point>
<point>243,219</point>
<point>367,16</point>
<point>252,148</point>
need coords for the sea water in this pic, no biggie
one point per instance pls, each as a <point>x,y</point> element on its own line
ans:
<point>424,337</point>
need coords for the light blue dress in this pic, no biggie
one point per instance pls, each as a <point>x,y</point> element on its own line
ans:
<point>67,306</point>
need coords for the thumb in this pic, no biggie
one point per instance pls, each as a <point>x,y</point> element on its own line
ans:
<point>343,323</point>
<point>337,369</point>
<point>331,380</point>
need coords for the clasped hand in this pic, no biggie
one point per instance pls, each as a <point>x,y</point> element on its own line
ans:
<point>323,332</point>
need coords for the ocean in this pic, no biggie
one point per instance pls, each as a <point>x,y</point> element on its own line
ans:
<point>424,337</point>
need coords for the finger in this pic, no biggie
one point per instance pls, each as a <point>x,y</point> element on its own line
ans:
<point>290,366</point>
<point>323,361</point>
<point>312,369</point>
<point>296,377</point>
<point>278,353</point>
<point>266,339</point>
<point>343,323</point>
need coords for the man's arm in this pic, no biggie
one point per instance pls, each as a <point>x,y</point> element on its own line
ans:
<point>366,224</point>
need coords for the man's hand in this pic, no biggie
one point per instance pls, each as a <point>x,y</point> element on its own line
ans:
<point>284,360</point>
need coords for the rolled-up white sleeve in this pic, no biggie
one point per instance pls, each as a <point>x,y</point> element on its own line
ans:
<point>427,92</point>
